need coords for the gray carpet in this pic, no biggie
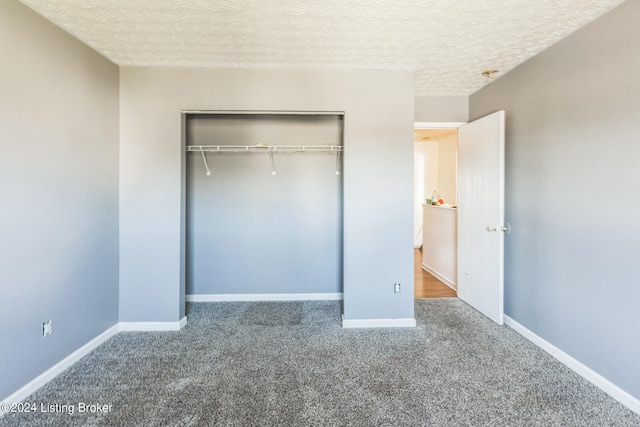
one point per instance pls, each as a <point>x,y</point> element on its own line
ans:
<point>292,364</point>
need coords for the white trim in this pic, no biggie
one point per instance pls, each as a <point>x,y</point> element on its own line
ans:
<point>183,322</point>
<point>579,368</point>
<point>378,323</point>
<point>262,297</point>
<point>266,112</point>
<point>42,379</point>
<point>153,326</point>
<point>438,125</point>
<point>440,277</point>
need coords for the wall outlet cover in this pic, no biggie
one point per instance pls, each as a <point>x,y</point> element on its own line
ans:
<point>46,328</point>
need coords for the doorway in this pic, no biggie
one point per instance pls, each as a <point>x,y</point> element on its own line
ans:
<point>435,240</point>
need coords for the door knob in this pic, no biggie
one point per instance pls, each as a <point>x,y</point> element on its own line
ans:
<point>492,228</point>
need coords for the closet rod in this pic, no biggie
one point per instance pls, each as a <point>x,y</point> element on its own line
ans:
<point>266,148</point>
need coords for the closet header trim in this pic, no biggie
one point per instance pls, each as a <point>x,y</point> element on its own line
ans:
<point>265,112</point>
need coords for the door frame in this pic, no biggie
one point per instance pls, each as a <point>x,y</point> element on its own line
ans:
<point>442,125</point>
<point>455,125</point>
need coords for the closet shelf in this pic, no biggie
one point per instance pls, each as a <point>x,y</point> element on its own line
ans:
<point>265,148</point>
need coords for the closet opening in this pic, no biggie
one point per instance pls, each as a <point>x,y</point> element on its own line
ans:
<point>263,205</point>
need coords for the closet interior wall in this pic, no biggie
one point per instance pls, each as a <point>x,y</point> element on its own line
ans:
<point>251,232</point>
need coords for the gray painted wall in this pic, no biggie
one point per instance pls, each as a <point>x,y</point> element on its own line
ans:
<point>377,181</point>
<point>572,186</point>
<point>441,108</point>
<point>251,232</point>
<point>58,194</point>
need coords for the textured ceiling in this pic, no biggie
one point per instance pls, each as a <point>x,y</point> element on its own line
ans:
<point>448,43</point>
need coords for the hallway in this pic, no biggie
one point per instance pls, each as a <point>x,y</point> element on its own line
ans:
<point>425,284</point>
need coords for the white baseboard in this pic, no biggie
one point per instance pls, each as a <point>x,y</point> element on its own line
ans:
<point>65,363</point>
<point>59,367</point>
<point>262,297</point>
<point>440,277</point>
<point>378,323</point>
<point>578,367</point>
<point>153,326</point>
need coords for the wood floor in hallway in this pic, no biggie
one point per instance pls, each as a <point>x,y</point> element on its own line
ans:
<point>425,284</point>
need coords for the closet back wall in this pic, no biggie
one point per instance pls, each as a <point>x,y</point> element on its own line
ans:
<point>251,232</point>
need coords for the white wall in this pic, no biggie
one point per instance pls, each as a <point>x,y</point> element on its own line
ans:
<point>441,108</point>
<point>447,169</point>
<point>572,133</point>
<point>58,195</point>
<point>440,250</point>
<point>425,180</point>
<point>378,126</point>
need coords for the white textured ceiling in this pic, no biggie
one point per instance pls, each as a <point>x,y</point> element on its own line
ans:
<point>448,43</point>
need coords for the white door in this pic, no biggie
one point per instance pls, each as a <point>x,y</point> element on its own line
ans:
<point>481,215</point>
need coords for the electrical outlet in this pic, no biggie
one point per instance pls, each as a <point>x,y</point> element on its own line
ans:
<point>46,328</point>
<point>396,288</point>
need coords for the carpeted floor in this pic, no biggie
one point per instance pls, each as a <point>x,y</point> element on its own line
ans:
<point>292,364</point>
